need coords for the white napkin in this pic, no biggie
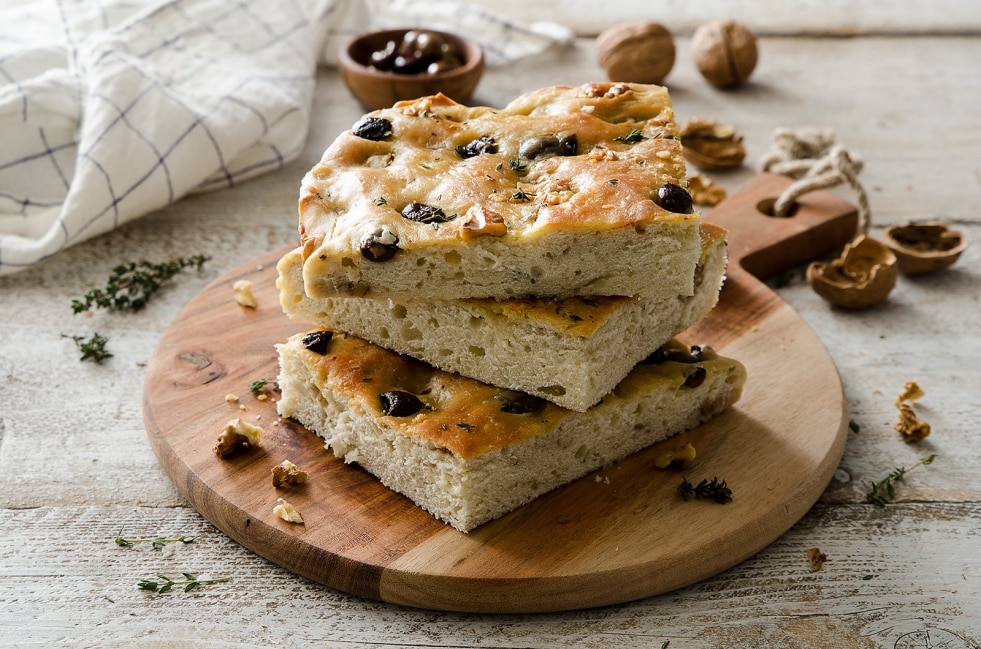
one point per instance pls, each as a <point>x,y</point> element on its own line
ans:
<point>110,109</point>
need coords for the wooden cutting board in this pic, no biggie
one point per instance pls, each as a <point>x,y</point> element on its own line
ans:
<point>619,534</point>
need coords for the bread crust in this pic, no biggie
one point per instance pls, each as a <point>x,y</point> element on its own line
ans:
<point>511,221</point>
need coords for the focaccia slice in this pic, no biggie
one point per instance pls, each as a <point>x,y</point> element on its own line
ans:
<point>565,191</point>
<point>571,351</point>
<point>468,452</point>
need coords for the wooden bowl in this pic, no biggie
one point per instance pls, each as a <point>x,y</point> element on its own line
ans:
<point>380,89</point>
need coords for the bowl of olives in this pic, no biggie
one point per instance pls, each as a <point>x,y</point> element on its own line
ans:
<point>384,67</point>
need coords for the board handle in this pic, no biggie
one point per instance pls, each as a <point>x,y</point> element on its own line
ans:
<point>764,245</point>
<point>761,245</point>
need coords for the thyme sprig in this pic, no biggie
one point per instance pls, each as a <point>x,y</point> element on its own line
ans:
<point>190,582</point>
<point>93,349</point>
<point>130,286</point>
<point>157,541</point>
<point>706,489</point>
<point>633,137</point>
<point>259,386</point>
<point>884,491</point>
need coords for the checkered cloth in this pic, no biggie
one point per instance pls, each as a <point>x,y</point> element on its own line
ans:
<point>110,109</point>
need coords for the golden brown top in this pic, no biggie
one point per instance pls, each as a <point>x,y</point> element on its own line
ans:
<point>591,157</point>
<point>462,415</point>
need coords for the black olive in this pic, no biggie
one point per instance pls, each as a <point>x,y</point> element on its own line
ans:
<point>674,198</point>
<point>317,341</point>
<point>420,212</point>
<point>382,59</point>
<point>397,403</point>
<point>669,354</point>
<point>523,404</point>
<point>380,245</point>
<point>373,128</point>
<point>549,145</point>
<point>696,378</point>
<point>483,144</point>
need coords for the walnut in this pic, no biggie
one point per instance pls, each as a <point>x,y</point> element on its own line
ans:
<point>925,246</point>
<point>288,474</point>
<point>724,51</point>
<point>705,191</point>
<point>287,512</point>
<point>482,221</point>
<point>711,145</point>
<point>242,290</point>
<point>641,52</point>
<point>863,275</point>
<point>237,435</point>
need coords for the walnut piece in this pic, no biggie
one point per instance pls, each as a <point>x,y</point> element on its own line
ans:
<point>242,290</point>
<point>482,221</point>
<point>287,512</point>
<point>725,52</point>
<point>642,52</point>
<point>816,558</point>
<point>681,457</point>
<point>288,474</point>
<point>910,426</point>
<point>711,145</point>
<point>705,191</point>
<point>236,436</point>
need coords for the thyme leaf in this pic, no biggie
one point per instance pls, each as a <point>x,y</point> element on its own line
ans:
<point>130,286</point>
<point>157,541</point>
<point>710,490</point>
<point>884,491</point>
<point>190,582</point>
<point>93,349</point>
<point>259,386</point>
<point>633,137</point>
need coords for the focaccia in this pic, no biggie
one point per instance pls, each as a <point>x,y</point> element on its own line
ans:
<point>571,351</point>
<point>565,191</point>
<point>468,452</point>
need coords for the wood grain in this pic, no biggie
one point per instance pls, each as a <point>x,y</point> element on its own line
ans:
<point>616,535</point>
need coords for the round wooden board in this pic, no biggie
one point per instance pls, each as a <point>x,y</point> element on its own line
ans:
<point>619,534</point>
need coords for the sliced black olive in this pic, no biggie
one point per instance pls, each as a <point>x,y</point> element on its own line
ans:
<point>674,198</point>
<point>549,145</point>
<point>696,377</point>
<point>380,245</point>
<point>483,144</point>
<point>373,128</point>
<point>669,354</point>
<point>317,341</point>
<point>523,404</point>
<point>422,213</point>
<point>397,403</point>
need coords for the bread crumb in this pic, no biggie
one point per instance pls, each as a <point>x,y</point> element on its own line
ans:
<point>681,456</point>
<point>287,512</point>
<point>231,398</point>
<point>816,558</point>
<point>242,289</point>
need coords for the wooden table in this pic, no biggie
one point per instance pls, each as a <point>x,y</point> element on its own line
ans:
<point>75,465</point>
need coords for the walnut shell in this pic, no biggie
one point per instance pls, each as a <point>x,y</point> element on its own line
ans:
<point>924,246</point>
<point>863,275</point>
<point>641,52</point>
<point>725,52</point>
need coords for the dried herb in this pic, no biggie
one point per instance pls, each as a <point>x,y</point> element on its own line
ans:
<point>884,491</point>
<point>706,490</point>
<point>93,349</point>
<point>522,196</point>
<point>157,541</point>
<point>633,137</point>
<point>190,582</point>
<point>130,286</point>
<point>261,386</point>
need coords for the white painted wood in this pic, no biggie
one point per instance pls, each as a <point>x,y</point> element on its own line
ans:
<point>764,17</point>
<point>75,465</point>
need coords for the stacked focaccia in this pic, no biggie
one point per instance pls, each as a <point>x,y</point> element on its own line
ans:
<point>495,293</point>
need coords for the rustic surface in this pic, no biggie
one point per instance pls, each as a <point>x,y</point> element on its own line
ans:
<point>76,466</point>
